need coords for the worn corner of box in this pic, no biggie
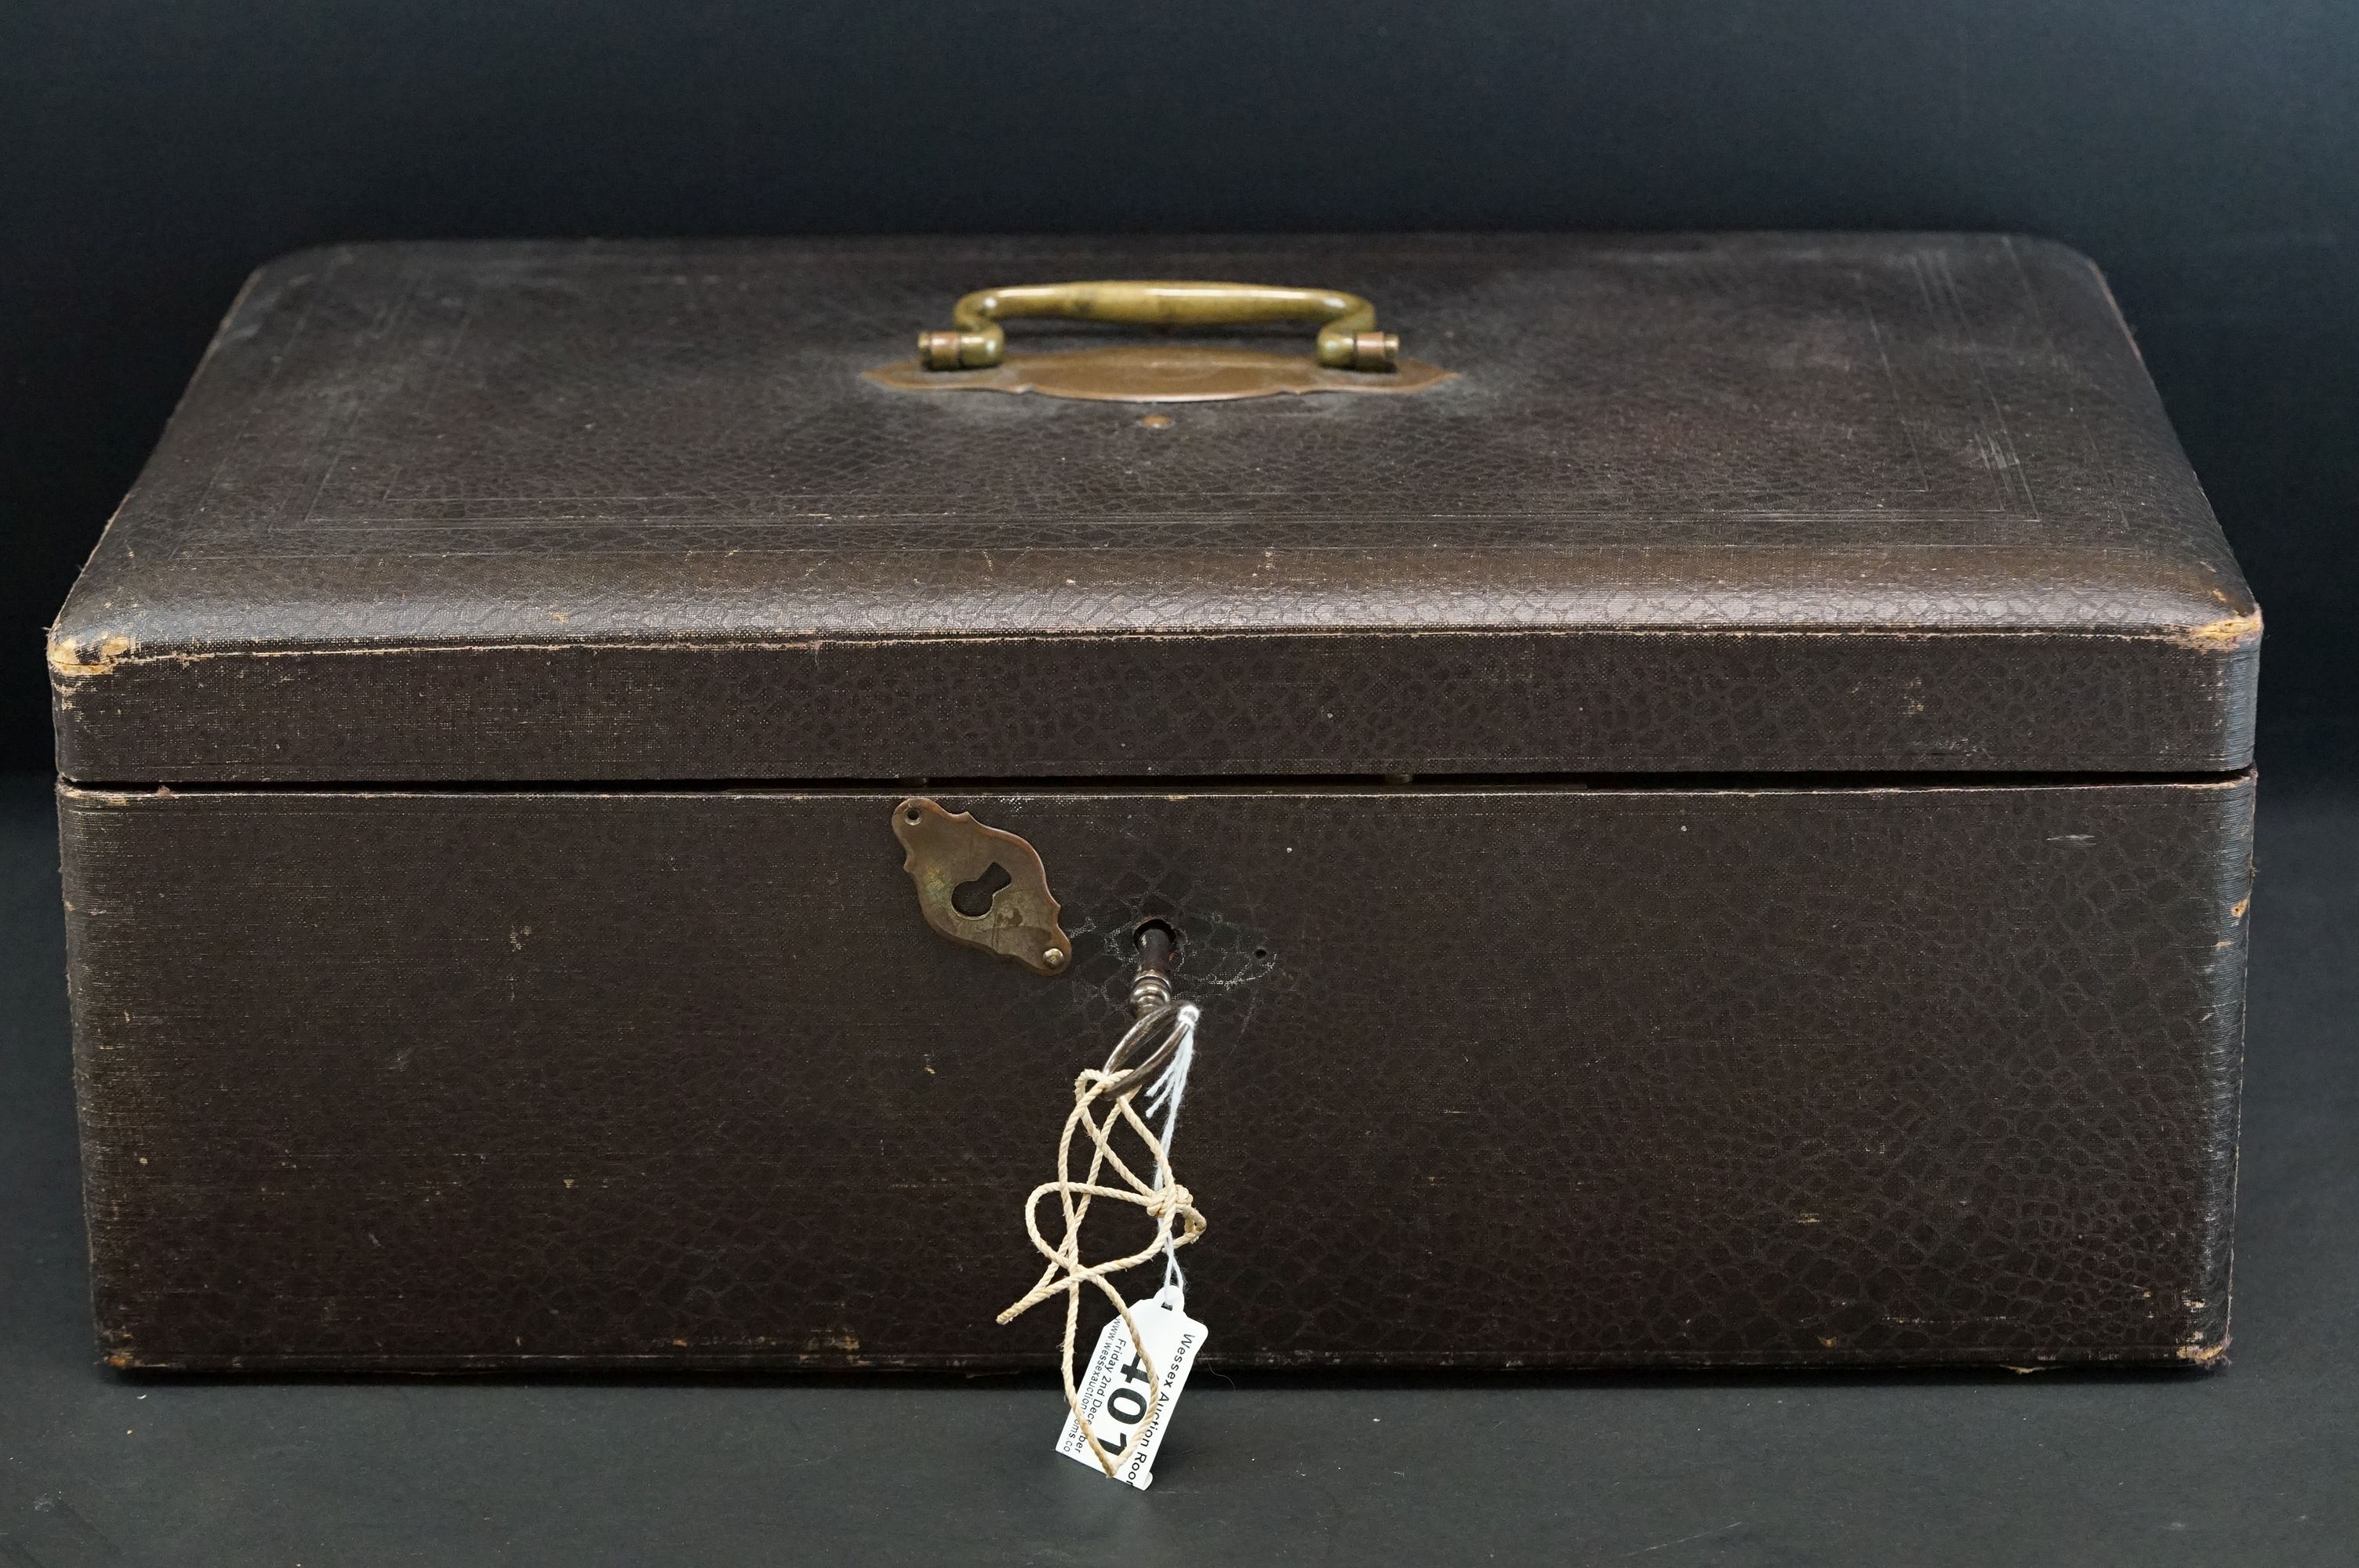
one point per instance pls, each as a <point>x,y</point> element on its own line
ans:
<point>2229,633</point>
<point>119,1352</point>
<point>2205,1354</point>
<point>85,655</point>
<point>75,795</point>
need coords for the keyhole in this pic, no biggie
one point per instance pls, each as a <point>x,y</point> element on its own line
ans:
<point>973,899</point>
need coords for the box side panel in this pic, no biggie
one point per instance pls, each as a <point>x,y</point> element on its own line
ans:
<point>1489,1079</point>
<point>2230,861</point>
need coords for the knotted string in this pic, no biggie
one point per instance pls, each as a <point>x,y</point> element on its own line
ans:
<point>1165,1200</point>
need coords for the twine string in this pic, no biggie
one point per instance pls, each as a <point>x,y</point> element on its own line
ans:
<point>1167,1203</point>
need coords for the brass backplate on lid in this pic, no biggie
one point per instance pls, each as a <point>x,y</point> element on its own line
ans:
<point>950,859</point>
<point>1163,373</point>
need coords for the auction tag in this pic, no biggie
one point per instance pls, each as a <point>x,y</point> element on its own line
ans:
<point>1113,1390</point>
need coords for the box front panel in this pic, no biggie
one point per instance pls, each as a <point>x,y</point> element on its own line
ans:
<point>1535,1076</point>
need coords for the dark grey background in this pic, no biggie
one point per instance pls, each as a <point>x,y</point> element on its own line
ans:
<point>2206,154</point>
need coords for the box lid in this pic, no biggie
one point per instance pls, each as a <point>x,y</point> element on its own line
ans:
<point>1731,504</point>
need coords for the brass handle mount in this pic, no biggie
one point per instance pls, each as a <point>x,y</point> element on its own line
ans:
<point>1348,338</point>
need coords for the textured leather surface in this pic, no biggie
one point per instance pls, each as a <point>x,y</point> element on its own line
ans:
<point>569,512</point>
<point>1490,1076</point>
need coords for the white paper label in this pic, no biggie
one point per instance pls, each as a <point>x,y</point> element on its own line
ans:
<point>1114,1386</point>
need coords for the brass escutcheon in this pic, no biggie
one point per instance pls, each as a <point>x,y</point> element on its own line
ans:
<point>946,854</point>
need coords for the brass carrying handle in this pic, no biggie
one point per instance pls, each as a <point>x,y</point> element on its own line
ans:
<point>1348,339</point>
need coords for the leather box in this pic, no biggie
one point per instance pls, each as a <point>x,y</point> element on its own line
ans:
<point>1715,833</point>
